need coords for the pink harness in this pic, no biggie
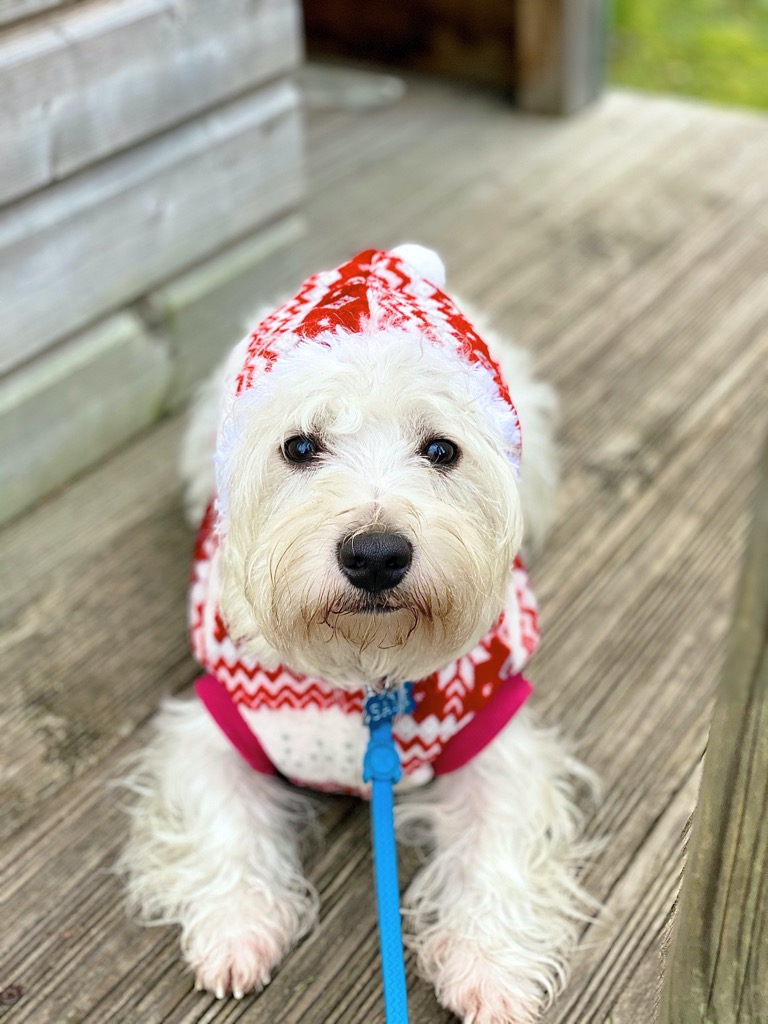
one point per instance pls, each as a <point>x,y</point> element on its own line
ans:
<point>304,728</point>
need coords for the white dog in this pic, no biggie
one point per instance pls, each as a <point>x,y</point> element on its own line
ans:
<point>365,513</point>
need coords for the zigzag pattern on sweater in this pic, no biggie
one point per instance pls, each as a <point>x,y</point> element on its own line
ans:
<point>446,701</point>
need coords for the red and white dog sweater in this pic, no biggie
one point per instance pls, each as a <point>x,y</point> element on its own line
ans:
<point>304,728</point>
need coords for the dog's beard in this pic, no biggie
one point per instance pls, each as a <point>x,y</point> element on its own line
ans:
<point>286,601</point>
<point>378,628</point>
<point>349,639</point>
<point>343,607</point>
<point>322,626</point>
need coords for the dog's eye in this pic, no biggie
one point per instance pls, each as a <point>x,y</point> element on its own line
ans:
<point>300,449</point>
<point>440,452</point>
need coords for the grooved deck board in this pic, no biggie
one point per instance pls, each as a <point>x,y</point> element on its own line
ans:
<point>628,249</point>
<point>717,966</point>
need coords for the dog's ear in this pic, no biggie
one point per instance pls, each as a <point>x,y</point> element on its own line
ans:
<point>196,457</point>
<point>423,260</point>
<point>228,595</point>
<point>537,407</point>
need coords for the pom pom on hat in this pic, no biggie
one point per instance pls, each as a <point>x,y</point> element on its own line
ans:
<point>423,260</point>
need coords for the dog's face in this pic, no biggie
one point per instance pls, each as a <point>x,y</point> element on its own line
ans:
<point>372,515</point>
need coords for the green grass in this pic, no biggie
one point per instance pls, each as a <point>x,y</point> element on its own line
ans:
<point>713,49</point>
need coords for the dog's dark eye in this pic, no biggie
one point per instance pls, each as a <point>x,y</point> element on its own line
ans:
<point>300,449</point>
<point>440,452</point>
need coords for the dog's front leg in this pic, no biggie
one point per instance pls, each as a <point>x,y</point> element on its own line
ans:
<point>214,847</point>
<point>495,909</point>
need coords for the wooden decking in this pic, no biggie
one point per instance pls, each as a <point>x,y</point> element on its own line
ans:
<point>628,248</point>
<point>717,969</point>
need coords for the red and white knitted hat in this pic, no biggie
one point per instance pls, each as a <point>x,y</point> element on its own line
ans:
<point>374,290</point>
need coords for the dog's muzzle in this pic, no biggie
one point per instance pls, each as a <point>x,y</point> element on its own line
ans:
<point>375,561</point>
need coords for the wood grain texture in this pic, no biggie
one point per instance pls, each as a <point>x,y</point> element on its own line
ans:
<point>559,54</point>
<point>72,407</point>
<point>14,10</point>
<point>101,239</point>
<point>83,83</point>
<point>626,250</point>
<point>202,313</point>
<point>717,968</point>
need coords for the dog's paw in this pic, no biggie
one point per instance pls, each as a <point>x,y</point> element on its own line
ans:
<point>232,955</point>
<point>235,965</point>
<point>480,989</point>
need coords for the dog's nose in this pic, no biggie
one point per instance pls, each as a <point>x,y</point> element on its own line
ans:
<point>374,561</point>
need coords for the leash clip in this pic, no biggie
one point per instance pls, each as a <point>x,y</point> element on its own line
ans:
<point>381,761</point>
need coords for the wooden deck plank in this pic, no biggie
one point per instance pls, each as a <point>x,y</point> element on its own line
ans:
<point>488,173</point>
<point>717,968</point>
<point>525,152</point>
<point>657,341</point>
<point>627,937</point>
<point>105,513</point>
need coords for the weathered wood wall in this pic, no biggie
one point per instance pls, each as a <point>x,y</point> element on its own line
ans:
<point>13,10</point>
<point>87,81</point>
<point>150,162</point>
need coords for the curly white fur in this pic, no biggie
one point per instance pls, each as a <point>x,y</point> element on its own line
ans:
<point>213,845</point>
<point>494,912</point>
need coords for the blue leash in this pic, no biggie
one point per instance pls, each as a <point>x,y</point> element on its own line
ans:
<point>381,767</point>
